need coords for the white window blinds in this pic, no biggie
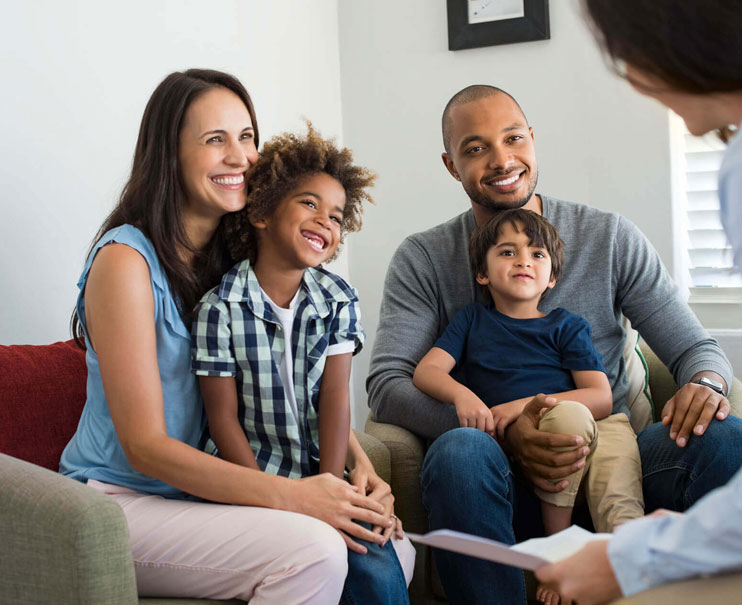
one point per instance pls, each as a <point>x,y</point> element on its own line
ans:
<point>710,257</point>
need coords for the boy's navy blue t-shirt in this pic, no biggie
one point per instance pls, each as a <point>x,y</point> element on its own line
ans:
<point>501,358</point>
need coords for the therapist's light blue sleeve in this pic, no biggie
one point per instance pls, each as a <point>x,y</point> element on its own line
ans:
<point>707,539</point>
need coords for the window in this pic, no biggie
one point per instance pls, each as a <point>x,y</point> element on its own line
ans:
<point>709,261</point>
<point>703,257</point>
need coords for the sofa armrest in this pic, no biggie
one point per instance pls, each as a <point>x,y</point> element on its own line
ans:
<point>662,384</point>
<point>62,541</point>
<point>378,453</point>
<point>406,451</point>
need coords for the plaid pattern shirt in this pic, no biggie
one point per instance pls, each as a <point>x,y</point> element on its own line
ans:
<point>235,333</point>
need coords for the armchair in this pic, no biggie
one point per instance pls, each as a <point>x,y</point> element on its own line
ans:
<point>407,451</point>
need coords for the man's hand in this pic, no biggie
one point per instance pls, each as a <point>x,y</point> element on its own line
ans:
<point>472,412</point>
<point>692,409</point>
<point>586,577</point>
<point>533,449</point>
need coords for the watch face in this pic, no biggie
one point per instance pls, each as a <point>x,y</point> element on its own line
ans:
<point>712,384</point>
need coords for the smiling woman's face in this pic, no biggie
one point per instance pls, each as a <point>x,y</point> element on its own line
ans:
<point>217,144</point>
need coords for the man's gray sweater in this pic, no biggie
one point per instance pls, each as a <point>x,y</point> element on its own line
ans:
<point>610,268</point>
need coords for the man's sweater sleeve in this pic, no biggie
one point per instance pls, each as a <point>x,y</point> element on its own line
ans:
<point>409,323</point>
<point>650,299</point>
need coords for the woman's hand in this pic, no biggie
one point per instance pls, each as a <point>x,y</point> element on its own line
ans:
<point>336,502</point>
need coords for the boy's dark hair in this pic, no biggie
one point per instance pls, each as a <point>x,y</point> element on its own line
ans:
<point>285,161</point>
<point>540,233</point>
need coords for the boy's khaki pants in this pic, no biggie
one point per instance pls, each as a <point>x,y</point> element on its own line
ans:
<point>611,477</point>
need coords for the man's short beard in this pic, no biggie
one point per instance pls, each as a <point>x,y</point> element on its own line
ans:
<point>481,198</point>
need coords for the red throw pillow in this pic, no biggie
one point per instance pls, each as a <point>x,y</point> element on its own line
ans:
<point>42,393</point>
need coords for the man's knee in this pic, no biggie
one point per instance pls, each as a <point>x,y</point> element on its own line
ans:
<point>464,459</point>
<point>464,449</point>
<point>722,437</point>
<point>570,418</point>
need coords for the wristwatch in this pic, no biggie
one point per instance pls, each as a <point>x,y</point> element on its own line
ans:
<point>712,384</point>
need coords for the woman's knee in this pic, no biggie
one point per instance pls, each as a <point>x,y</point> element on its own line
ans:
<point>311,567</point>
<point>570,418</point>
<point>323,544</point>
<point>309,546</point>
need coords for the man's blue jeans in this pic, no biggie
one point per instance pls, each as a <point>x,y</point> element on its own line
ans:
<point>468,486</point>
<point>375,578</point>
<point>675,478</point>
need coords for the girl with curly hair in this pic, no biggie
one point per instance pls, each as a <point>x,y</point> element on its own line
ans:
<point>273,342</point>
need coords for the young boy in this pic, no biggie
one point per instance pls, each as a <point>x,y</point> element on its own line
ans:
<point>272,344</point>
<point>508,352</point>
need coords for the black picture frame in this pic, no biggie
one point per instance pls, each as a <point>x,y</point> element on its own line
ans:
<point>462,34</point>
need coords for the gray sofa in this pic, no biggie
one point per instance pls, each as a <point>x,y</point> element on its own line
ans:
<point>62,542</point>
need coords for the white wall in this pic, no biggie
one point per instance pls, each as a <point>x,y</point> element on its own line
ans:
<point>76,76</point>
<point>597,141</point>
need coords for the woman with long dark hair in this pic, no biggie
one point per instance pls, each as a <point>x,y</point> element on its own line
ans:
<point>687,54</point>
<point>137,440</point>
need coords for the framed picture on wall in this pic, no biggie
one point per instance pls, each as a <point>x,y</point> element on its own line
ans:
<point>475,23</point>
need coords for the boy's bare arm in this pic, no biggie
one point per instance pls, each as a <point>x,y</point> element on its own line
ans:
<point>593,390</point>
<point>220,401</point>
<point>334,414</point>
<point>432,376</point>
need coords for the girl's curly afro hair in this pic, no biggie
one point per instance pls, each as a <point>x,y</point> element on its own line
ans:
<point>285,161</point>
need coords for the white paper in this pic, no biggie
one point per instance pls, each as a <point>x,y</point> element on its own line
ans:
<point>530,554</point>
<point>561,545</point>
